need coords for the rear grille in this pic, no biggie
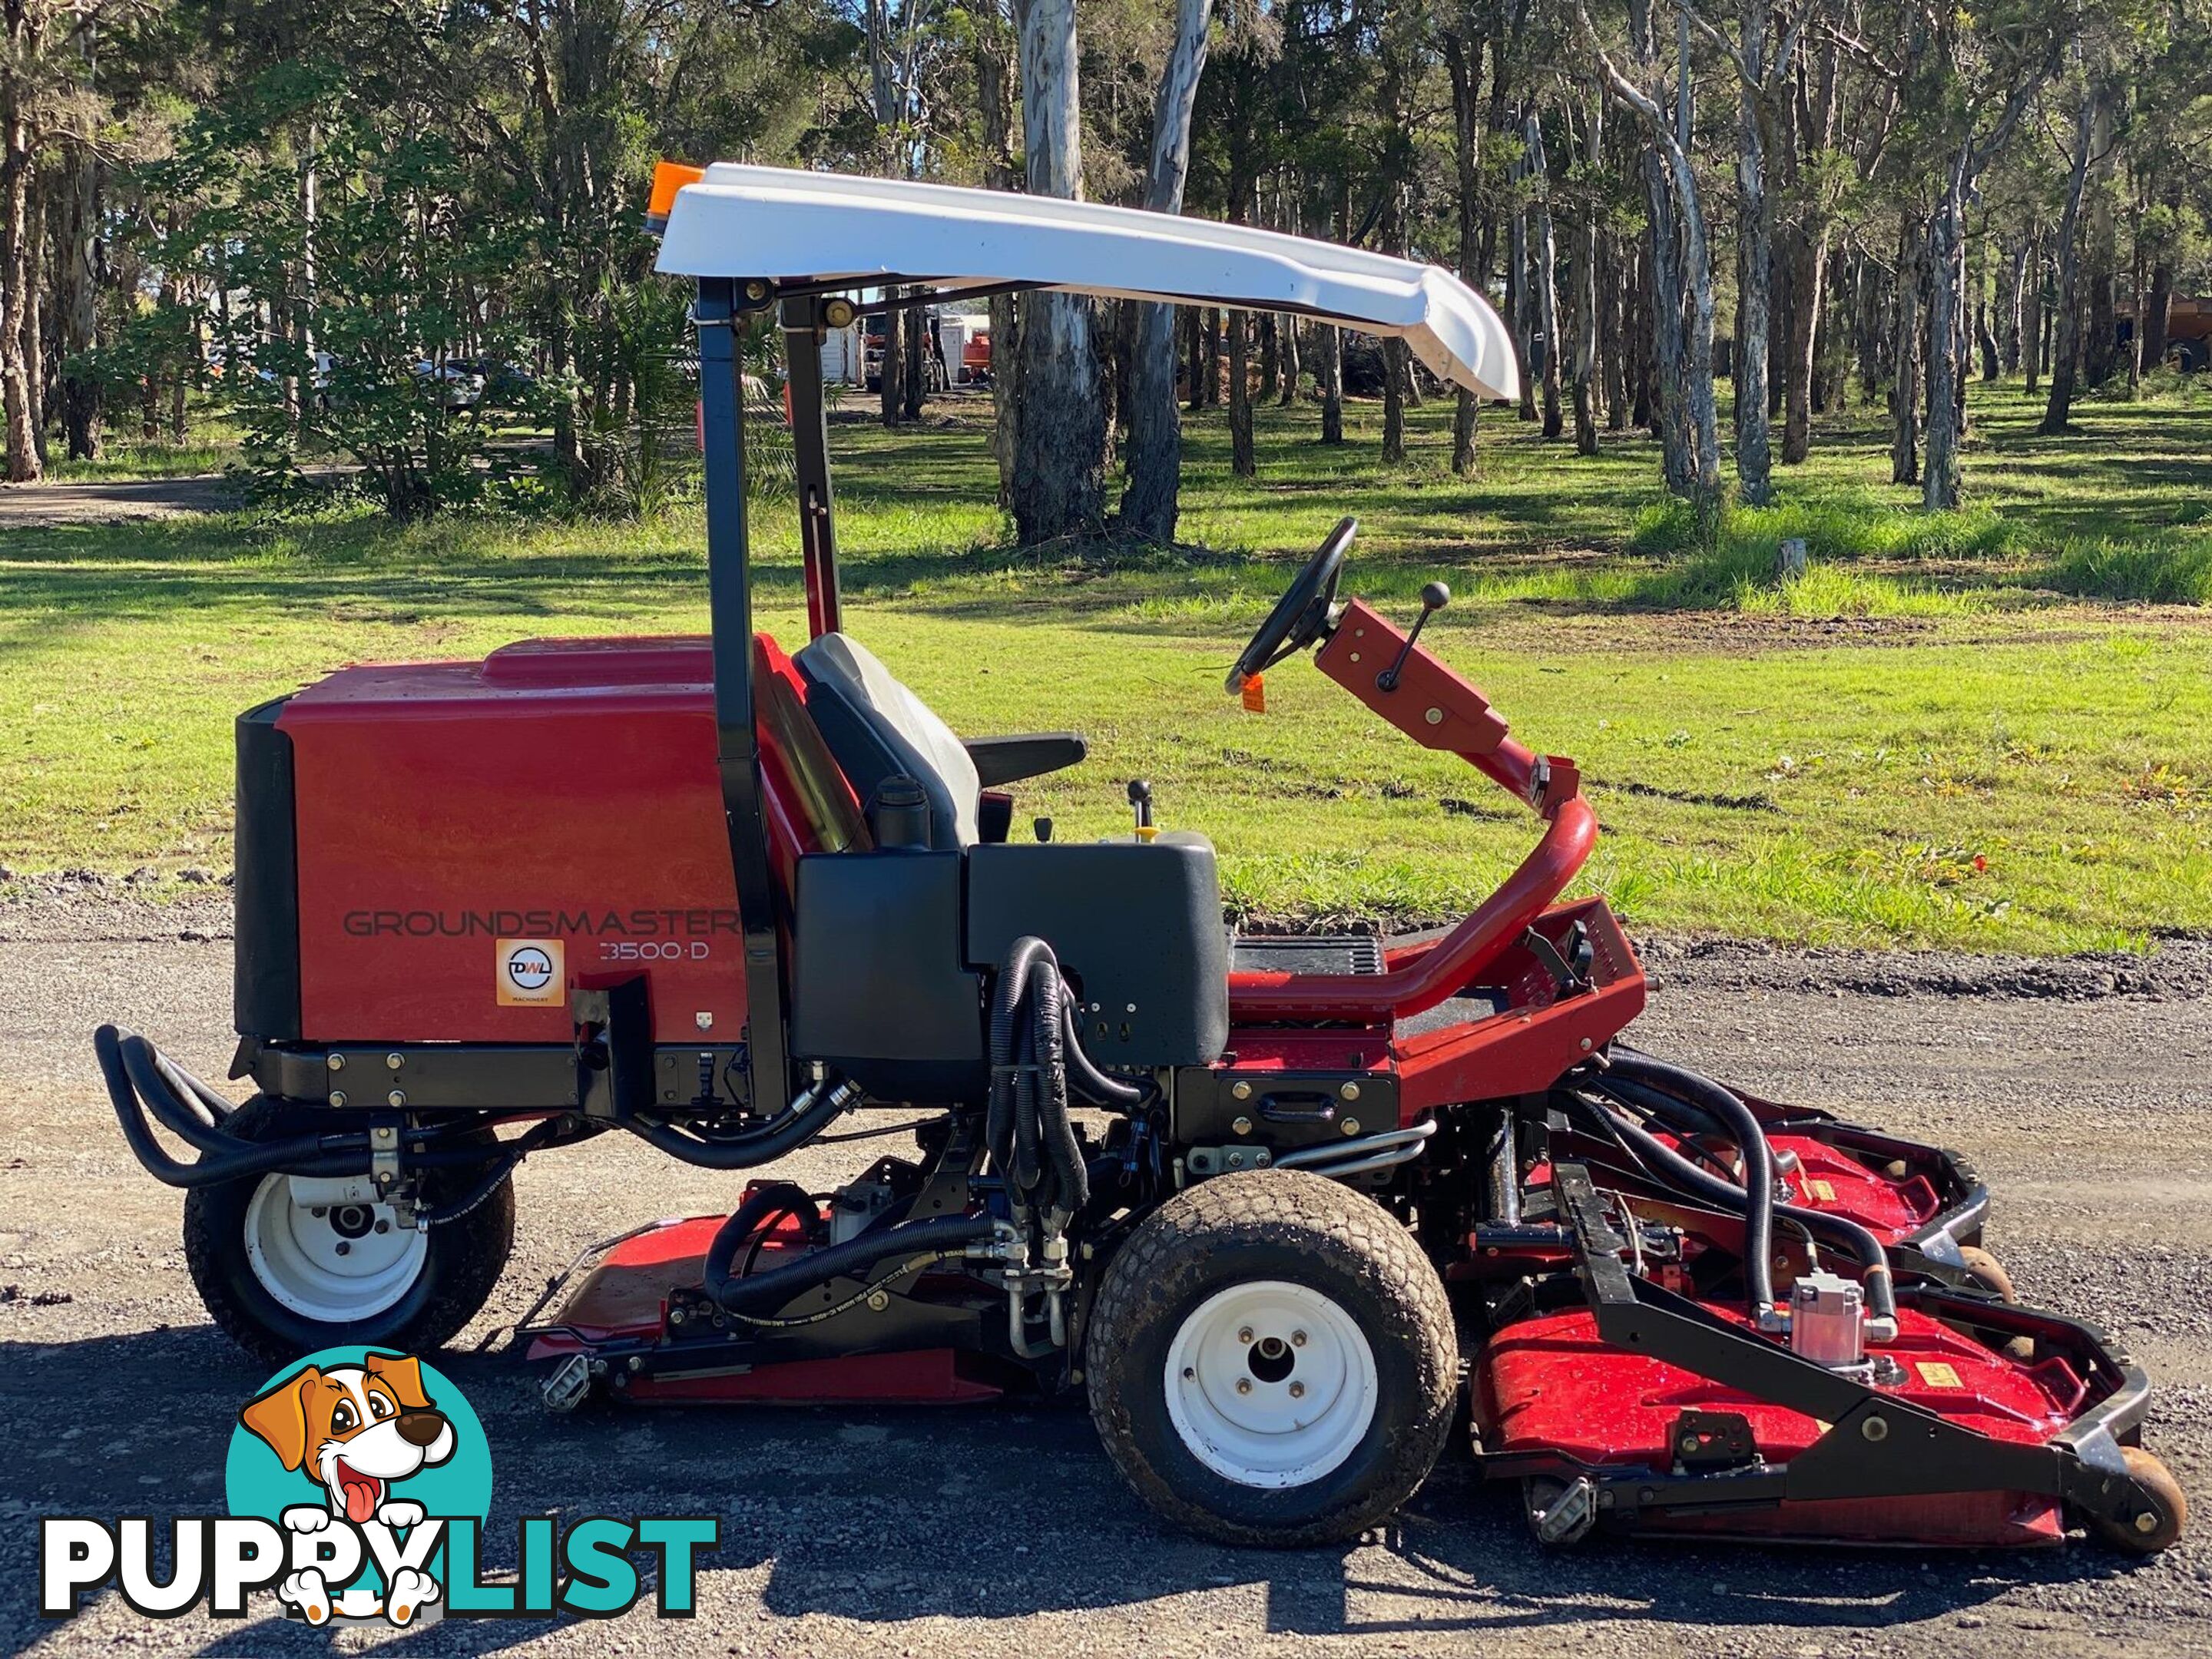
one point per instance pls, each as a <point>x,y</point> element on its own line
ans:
<point>1306,953</point>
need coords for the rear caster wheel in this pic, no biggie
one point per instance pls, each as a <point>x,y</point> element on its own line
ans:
<point>1989,1273</point>
<point>2157,1518</point>
<point>1271,1361</point>
<point>283,1278</point>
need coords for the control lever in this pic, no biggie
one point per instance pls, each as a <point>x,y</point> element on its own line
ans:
<point>1141,798</point>
<point>1434,596</point>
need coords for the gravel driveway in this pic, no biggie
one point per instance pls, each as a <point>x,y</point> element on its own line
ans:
<point>2084,1093</point>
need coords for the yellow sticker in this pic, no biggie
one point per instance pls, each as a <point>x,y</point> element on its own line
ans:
<point>1937,1375</point>
<point>529,973</point>
<point>1823,1190</point>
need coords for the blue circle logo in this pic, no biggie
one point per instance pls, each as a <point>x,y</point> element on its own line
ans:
<point>360,1457</point>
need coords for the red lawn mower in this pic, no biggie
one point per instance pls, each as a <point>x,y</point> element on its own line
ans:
<point>1272,1202</point>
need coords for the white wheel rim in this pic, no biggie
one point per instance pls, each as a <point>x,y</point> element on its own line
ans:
<point>333,1267</point>
<point>1271,1384</point>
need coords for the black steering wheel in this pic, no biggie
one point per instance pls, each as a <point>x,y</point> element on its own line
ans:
<point>1306,612</point>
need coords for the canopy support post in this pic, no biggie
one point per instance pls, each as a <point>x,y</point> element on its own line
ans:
<point>723,303</point>
<point>804,322</point>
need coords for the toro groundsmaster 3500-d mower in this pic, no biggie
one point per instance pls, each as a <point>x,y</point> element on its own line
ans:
<point>1270,1201</point>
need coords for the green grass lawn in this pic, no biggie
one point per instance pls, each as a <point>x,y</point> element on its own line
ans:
<point>1959,732</point>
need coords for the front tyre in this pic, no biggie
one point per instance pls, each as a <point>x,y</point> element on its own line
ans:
<point>282,1279</point>
<point>1270,1360</point>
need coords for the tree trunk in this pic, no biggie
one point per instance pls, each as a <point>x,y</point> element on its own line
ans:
<point>890,367</point>
<point>2158,303</point>
<point>1240,395</point>
<point>1519,308</point>
<point>2031,316</point>
<point>76,301</point>
<point>1586,301</point>
<point>1287,329</point>
<point>2100,346</point>
<point>2014,295</point>
<point>1947,236</point>
<point>1209,379</point>
<point>1270,363</point>
<point>1060,483</point>
<point>1754,458</point>
<point>2066,353</point>
<point>1904,385</point>
<point>1545,247</point>
<point>995,90</point>
<point>1612,299</point>
<point>1149,502</point>
<point>915,382</point>
<point>1394,402</point>
<point>19,269</point>
<point>1332,384</point>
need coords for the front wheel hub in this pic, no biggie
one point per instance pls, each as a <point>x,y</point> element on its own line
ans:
<point>332,1264</point>
<point>1271,1384</point>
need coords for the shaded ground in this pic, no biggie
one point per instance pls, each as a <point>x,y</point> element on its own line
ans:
<point>1002,1529</point>
<point>112,501</point>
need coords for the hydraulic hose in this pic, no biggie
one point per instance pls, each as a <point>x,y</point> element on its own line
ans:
<point>1005,994</point>
<point>1049,1024</point>
<point>763,1293</point>
<point>1034,1054</point>
<point>809,1113</point>
<point>764,1204</point>
<point>1093,1084</point>
<point>228,1159</point>
<point>1713,1100</point>
<point>1668,1164</point>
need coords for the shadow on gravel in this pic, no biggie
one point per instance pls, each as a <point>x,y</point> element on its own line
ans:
<point>883,1516</point>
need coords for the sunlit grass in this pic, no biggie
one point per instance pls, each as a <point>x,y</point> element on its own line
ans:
<point>1940,733</point>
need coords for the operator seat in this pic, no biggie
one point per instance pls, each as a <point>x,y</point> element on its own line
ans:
<point>877,730</point>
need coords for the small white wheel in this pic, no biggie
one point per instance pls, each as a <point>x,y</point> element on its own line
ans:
<point>1270,1384</point>
<point>283,1281</point>
<point>1270,1360</point>
<point>334,1264</point>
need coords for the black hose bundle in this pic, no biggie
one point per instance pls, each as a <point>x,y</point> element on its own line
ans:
<point>1638,1079</point>
<point>1035,1058</point>
<point>1670,1168</point>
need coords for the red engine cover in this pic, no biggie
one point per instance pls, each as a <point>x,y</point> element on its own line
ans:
<point>1550,1385</point>
<point>556,804</point>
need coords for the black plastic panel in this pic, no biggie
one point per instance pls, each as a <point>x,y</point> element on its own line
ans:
<point>878,989</point>
<point>266,985</point>
<point>1136,925</point>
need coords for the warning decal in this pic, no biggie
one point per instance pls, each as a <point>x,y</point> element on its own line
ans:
<point>1935,1374</point>
<point>530,973</point>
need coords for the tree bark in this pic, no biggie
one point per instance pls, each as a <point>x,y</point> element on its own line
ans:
<point>76,301</point>
<point>2031,315</point>
<point>1240,461</point>
<point>1151,500</point>
<point>1754,459</point>
<point>1060,483</point>
<point>1332,384</point>
<point>2065,354</point>
<point>2100,346</point>
<point>1904,385</point>
<point>1545,247</point>
<point>1394,402</point>
<point>1287,329</point>
<point>1947,236</point>
<point>1585,280</point>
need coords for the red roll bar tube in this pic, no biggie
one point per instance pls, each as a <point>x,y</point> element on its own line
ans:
<point>1437,709</point>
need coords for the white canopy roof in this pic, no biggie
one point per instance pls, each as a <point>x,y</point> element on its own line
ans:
<point>790,225</point>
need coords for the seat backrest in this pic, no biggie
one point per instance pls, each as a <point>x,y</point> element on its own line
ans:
<point>878,729</point>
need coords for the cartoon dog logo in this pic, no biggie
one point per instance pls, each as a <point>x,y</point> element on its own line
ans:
<point>357,1431</point>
